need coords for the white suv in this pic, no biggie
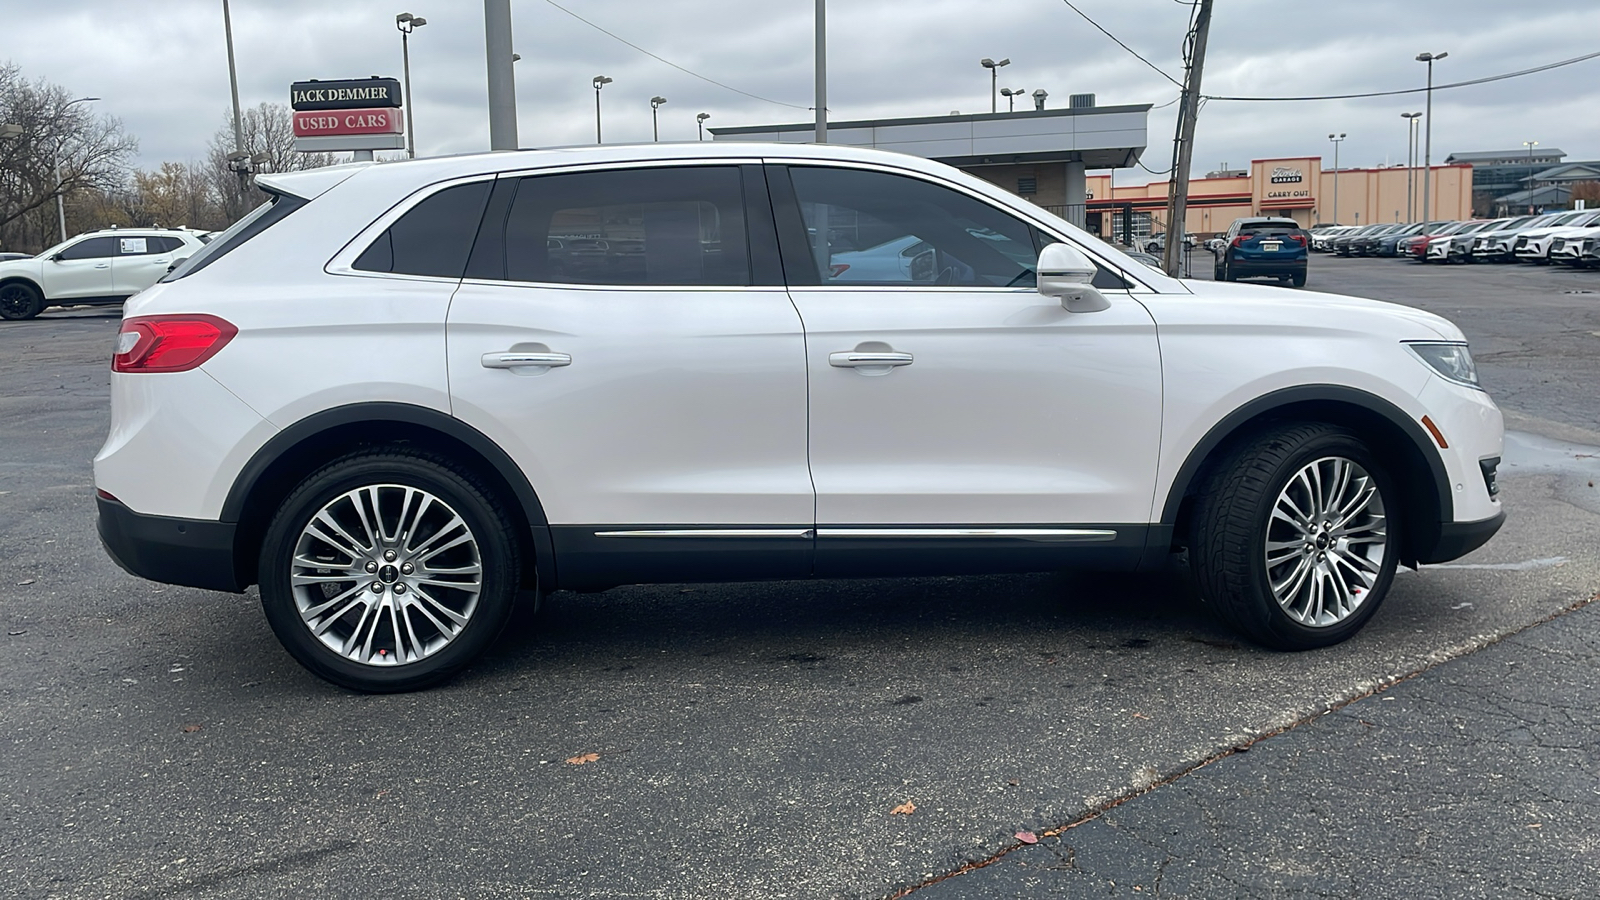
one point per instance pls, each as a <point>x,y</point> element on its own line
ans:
<point>397,395</point>
<point>101,267</point>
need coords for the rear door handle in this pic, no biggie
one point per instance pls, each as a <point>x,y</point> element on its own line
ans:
<point>512,359</point>
<point>854,359</point>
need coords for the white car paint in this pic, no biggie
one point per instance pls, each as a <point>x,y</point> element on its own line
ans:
<point>99,276</point>
<point>993,423</point>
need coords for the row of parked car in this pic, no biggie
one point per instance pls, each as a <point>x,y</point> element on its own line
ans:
<point>1570,237</point>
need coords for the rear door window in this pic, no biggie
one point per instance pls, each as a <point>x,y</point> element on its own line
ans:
<point>657,226</point>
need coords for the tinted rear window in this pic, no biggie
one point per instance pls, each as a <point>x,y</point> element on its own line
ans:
<point>1269,228</point>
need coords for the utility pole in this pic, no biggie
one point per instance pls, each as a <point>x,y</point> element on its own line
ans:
<point>1188,110</point>
<point>1427,137</point>
<point>822,71</point>
<point>502,80</point>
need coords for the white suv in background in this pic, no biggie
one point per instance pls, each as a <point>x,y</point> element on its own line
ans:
<point>397,395</point>
<point>101,267</point>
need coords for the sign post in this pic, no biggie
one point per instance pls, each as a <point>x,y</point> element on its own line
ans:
<point>357,114</point>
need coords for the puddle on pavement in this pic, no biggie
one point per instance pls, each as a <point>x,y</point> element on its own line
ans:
<point>1577,464</point>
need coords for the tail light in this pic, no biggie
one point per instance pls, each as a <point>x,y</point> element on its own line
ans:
<point>1239,241</point>
<point>1298,239</point>
<point>838,269</point>
<point>175,343</point>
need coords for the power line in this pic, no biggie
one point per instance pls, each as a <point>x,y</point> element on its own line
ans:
<point>1114,38</point>
<point>674,65</point>
<point>1438,87</point>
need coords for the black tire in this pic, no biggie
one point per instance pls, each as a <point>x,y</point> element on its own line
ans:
<point>491,548</point>
<point>1235,521</point>
<point>1298,279</point>
<point>20,301</point>
<point>1227,272</point>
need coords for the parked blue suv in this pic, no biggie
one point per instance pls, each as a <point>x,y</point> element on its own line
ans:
<point>1272,248</point>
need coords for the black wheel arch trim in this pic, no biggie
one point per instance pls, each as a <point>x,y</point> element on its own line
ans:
<point>1426,534</point>
<point>234,507</point>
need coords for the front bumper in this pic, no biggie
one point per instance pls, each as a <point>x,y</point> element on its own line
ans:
<point>188,552</point>
<point>1456,539</point>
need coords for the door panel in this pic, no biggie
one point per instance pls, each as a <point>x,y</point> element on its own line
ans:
<point>967,401</point>
<point>84,270</point>
<point>140,262</point>
<point>649,384</point>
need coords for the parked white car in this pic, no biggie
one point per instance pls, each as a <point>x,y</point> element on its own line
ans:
<point>101,267</point>
<point>380,398</point>
<point>1534,245</point>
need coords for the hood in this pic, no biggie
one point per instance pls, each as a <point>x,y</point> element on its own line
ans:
<point>1285,306</point>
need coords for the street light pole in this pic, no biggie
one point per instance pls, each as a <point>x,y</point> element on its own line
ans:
<point>994,80</point>
<point>408,23</point>
<point>821,66</point>
<point>1411,164</point>
<point>600,81</point>
<point>700,120</point>
<point>1337,140</point>
<point>1427,145</point>
<point>502,79</point>
<point>1011,98</point>
<point>655,126</point>
<point>61,206</point>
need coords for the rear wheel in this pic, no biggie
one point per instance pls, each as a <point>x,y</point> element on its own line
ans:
<point>1292,539</point>
<point>1298,279</point>
<point>20,301</point>
<point>388,571</point>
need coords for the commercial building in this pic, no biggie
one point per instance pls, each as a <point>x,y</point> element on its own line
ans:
<point>1296,187</point>
<point>1496,173</point>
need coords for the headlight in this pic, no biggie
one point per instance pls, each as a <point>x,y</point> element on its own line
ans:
<point>1453,362</point>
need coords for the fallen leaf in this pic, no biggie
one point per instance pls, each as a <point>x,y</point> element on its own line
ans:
<point>904,809</point>
<point>1012,781</point>
<point>25,582</point>
<point>15,633</point>
<point>1027,837</point>
<point>585,758</point>
<point>190,729</point>
<point>1141,716</point>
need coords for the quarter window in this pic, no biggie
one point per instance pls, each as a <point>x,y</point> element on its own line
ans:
<point>433,237</point>
<point>677,226</point>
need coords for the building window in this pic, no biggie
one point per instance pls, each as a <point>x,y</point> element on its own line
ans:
<point>1028,184</point>
<point>1141,224</point>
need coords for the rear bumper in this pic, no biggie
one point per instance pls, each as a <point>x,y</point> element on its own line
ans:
<point>1456,539</point>
<point>1247,267</point>
<point>188,552</point>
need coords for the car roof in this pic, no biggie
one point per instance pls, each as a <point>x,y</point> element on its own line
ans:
<point>312,183</point>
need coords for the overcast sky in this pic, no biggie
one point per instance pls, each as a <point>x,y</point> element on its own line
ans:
<point>161,67</point>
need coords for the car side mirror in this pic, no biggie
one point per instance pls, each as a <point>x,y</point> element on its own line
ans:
<point>1065,273</point>
<point>176,263</point>
<point>55,257</point>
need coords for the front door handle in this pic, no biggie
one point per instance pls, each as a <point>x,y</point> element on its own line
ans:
<point>856,359</point>
<point>103,265</point>
<point>513,359</point>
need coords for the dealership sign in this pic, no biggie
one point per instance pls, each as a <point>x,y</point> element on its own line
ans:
<point>347,114</point>
<point>349,93</point>
<point>348,121</point>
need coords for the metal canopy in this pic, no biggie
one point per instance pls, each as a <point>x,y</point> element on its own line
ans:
<point>1102,137</point>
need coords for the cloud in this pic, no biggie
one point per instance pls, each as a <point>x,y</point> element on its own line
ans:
<point>162,67</point>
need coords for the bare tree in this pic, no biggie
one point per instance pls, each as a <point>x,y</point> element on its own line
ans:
<point>268,132</point>
<point>91,152</point>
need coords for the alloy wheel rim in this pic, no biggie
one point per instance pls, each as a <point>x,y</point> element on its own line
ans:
<point>1326,542</point>
<point>386,575</point>
<point>14,300</point>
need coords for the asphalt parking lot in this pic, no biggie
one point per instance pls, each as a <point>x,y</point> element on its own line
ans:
<point>757,740</point>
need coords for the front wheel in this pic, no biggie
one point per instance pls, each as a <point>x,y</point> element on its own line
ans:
<point>388,571</point>
<point>19,301</point>
<point>1292,541</point>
